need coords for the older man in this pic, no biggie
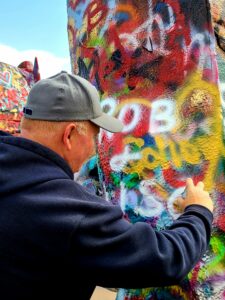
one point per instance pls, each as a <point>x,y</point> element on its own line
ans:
<point>57,241</point>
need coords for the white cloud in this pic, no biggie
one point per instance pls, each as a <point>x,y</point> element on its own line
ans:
<point>49,64</point>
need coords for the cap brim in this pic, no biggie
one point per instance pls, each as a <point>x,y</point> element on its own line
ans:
<point>108,123</point>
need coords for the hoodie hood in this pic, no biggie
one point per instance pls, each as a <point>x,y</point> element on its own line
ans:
<point>16,153</point>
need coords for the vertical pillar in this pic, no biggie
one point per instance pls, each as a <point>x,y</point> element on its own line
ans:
<point>154,65</point>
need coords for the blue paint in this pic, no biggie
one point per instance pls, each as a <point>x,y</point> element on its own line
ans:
<point>165,221</point>
<point>78,14</point>
<point>122,16</point>
<point>111,6</point>
<point>149,140</point>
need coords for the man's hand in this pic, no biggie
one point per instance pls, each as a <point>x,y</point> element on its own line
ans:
<point>195,194</point>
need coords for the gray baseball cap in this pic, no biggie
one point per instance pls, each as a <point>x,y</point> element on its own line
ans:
<point>67,97</point>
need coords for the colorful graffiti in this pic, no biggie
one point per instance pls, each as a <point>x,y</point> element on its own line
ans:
<point>218,16</point>
<point>15,83</point>
<point>221,64</point>
<point>155,67</point>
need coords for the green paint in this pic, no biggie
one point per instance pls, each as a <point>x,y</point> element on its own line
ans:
<point>131,180</point>
<point>125,91</point>
<point>116,179</point>
<point>217,262</point>
<point>96,42</point>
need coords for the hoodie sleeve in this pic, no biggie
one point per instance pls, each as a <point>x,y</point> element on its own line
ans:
<point>118,254</point>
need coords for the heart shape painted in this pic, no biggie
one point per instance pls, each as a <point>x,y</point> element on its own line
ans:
<point>5,78</point>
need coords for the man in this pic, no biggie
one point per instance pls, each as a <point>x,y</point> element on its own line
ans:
<point>57,241</point>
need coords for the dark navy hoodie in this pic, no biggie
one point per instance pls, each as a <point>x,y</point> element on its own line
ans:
<point>57,241</point>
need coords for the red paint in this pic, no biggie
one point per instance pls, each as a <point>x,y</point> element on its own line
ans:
<point>177,178</point>
<point>95,12</point>
<point>221,222</point>
<point>73,3</point>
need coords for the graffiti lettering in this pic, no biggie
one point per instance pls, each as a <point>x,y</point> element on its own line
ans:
<point>133,40</point>
<point>162,116</point>
<point>118,162</point>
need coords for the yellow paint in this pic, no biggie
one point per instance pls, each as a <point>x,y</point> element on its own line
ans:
<point>138,141</point>
<point>71,24</point>
<point>14,110</point>
<point>177,290</point>
<point>198,149</point>
<point>187,153</point>
<point>17,80</point>
<point>210,145</point>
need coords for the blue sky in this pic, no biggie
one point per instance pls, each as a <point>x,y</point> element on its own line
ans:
<point>34,28</point>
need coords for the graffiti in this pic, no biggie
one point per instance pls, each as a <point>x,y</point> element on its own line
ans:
<point>154,64</point>
<point>15,85</point>
<point>218,17</point>
<point>221,64</point>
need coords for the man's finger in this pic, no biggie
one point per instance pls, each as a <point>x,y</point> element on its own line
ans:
<point>189,183</point>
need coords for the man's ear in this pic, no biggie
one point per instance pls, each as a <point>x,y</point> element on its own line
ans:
<point>68,134</point>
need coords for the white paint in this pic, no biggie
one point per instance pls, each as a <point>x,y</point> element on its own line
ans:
<point>131,40</point>
<point>118,162</point>
<point>127,198</point>
<point>123,194</point>
<point>162,118</point>
<point>177,193</point>
<point>206,48</point>
<point>222,92</point>
<point>136,109</point>
<point>109,104</point>
<point>150,206</point>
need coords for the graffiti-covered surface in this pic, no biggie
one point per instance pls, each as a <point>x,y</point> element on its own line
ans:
<point>218,17</point>
<point>221,65</point>
<point>15,83</point>
<point>155,67</point>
